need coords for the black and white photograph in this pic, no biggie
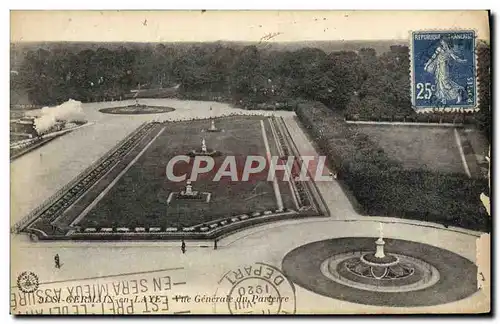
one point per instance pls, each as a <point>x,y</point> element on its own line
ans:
<point>250,162</point>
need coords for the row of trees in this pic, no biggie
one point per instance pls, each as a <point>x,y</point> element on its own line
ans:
<point>361,82</point>
<point>248,73</point>
<point>52,77</point>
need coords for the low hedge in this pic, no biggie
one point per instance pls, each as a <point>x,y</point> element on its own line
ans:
<point>383,187</point>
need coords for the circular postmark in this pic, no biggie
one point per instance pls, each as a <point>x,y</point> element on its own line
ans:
<point>258,288</point>
<point>27,282</point>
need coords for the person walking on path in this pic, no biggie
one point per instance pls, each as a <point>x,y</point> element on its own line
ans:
<point>215,244</point>
<point>183,246</point>
<point>57,261</point>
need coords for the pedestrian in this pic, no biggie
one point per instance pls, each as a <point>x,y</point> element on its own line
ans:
<point>215,244</point>
<point>57,261</point>
<point>183,246</point>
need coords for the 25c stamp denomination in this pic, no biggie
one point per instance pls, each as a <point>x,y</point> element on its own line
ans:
<point>443,70</point>
<point>258,288</point>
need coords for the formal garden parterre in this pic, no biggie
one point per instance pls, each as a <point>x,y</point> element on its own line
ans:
<point>126,193</point>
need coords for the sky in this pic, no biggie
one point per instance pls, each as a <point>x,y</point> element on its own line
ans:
<point>196,26</point>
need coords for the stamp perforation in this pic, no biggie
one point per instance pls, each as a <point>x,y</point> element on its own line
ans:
<point>475,106</point>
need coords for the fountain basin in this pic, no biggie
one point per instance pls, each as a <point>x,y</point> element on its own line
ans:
<point>208,152</point>
<point>386,261</point>
<point>440,276</point>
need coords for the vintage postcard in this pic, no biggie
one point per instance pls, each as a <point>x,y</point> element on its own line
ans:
<point>250,162</point>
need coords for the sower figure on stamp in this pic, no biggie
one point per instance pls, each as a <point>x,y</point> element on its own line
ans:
<point>183,246</point>
<point>438,64</point>
<point>57,261</point>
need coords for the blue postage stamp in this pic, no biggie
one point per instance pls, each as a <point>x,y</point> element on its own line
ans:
<point>443,69</point>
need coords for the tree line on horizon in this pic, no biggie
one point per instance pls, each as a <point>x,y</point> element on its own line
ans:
<point>357,82</point>
<point>51,76</point>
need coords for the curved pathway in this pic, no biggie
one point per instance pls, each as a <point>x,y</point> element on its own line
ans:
<point>39,174</point>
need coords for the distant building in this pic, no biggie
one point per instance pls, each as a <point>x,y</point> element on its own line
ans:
<point>25,125</point>
<point>19,97</point>
<point>19,101</point>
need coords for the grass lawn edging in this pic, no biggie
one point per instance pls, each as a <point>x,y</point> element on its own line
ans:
<point>382,186</point>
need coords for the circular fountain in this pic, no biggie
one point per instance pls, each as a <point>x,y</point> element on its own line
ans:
<point>204,151</point>
<point>381,271</point>
<point>188,194</point>
<point>212,128</point>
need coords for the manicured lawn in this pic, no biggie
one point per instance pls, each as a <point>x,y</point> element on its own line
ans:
<point>404,172</point>
<point>432,148</point>
<point>139,198</point>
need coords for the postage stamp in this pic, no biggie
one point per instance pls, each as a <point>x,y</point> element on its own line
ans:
<point>443,69</point>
